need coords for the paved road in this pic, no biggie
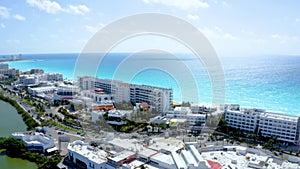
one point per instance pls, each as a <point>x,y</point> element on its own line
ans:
<point>29,109</point>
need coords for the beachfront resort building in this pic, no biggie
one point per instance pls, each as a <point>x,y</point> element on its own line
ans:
<point>284,127</point>
<point>120,90</point>
<point>160,98</point>
<point>5,72</point>
<point>244,119</point>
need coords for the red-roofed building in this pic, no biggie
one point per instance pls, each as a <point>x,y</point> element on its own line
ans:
<point>214,165</point>
<point>144,106</point>
<point>105,107</point>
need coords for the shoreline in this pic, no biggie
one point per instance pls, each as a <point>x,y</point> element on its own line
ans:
<point>285,105</point>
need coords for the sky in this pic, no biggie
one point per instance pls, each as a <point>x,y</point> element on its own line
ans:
<point>234,28</point>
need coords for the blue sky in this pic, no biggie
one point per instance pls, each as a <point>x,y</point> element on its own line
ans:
<point>234,28</point>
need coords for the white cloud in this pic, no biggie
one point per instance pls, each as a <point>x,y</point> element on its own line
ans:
<point>181,4</point>
<point>224,3</point>
<point>19,17</point>
<point>297,19</point>
<point>93,29</point>
<point>49,6</point>
<point>284,38</point>
<point>54,7</point>
<point>248,33</point>
<point>229,36</point>
<point>192,17</point>
<point>90,29</point>
<point>217,33</point>
<point>4,13</point>
<point>2,25</point>
<point>79,9</point>
<point>218,29</point>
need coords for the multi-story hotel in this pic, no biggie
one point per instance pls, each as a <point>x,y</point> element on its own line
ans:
<point>160,98</point>
<point>120,90</point>
<point>244,119</point>
<point>284,127</point>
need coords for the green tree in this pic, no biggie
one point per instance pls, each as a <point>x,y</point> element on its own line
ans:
<point>14,147</point>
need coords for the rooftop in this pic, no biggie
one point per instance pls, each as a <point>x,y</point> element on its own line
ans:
<point>170,144</point>
<point>164,158</point>
<point>118,113</point>
<point>122,155</point>
<point>146,152</point>
<point>248,111</point>
<point>135,163</point>
<point>278,116</point>
<point>127,144</point>
<point>182,109</point>
<point>93,154</point>
<point>232,159</point>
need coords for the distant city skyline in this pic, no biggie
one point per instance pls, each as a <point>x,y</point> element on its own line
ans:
<point>235,28</point>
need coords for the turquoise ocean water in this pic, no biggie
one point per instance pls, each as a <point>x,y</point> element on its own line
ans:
<point>270,82</point>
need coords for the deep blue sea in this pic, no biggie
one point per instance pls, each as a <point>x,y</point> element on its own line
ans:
<point>270,82</point>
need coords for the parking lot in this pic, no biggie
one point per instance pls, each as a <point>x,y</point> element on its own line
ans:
<point>56,133</point>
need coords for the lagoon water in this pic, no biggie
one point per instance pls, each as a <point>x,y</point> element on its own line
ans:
<point>11,121</point>
<point>270,82</point>
<point>15,163</point>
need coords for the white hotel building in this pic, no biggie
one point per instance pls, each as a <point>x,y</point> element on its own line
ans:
<point>160,98</point>
<point>284,127</point>
<point>244,119</point>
